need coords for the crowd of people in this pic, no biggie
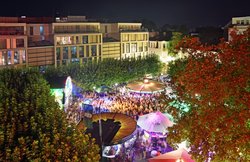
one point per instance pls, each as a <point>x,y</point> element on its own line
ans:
<point>125,102</point>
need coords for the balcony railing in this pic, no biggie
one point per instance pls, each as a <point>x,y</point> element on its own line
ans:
<point>133,30</point>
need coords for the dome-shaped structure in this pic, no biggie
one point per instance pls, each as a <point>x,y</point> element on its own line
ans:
<point>145,86</point>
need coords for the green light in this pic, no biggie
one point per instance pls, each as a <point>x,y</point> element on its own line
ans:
<point>58,93</point>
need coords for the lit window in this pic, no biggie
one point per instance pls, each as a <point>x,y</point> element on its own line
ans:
<point>22,53</point>
<point>16,57</point>
<point>41,30</point>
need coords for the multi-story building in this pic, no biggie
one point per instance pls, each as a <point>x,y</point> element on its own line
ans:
<point>13,43</point>
<point>134,40</point>
<point>77,42</point>
<point>239,24</point>
<point>44,41</point>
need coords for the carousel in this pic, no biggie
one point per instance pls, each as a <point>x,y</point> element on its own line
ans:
<point>111,131</point>
<point>145,86</point>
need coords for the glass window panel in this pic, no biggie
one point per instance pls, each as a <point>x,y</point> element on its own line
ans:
<point>65,53</point>
<point>58,53</point>
<point>73,52</point>
<point>16,57</point>
<point>93,50</point>
<point>81,51</point>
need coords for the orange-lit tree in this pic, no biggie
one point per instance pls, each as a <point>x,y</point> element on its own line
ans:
<point>215,81</point>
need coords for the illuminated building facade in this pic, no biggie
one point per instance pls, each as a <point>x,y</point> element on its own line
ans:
<point>77,42</point>
<point>240,24</point>
<point>134,40</point>
<point>46,41</point>
<point>13,44</point>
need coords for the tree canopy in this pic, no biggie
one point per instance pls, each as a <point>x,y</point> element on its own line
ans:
<point>32,127</point>
<point>108,72</point>
<point>175,40</point>
<point>215,81</point>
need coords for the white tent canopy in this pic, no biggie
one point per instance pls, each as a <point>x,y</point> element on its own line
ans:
<point>155,122</point>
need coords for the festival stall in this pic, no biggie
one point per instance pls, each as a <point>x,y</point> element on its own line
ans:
<point>145,86</point>
<point>155,122</point>
<point>111,131</point>
<point>180,155</point>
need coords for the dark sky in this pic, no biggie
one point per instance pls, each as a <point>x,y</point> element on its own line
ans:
<point>189,12</point>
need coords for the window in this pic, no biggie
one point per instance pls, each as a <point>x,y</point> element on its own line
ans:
<point>133,47</point>
<point>31,30</point>
<point>87,51</point>
<point>16,57</point>
<point>78,28</point>
<point>85,39</point>
<point>58,53</point>
<point>100,50</point>
<point>63,40</point>
<point>93,39</point>
<point>3,44</point>
<point>77,40</point>
<point>9,57</point>
<point>19,43</point>
<point>146,48</point>
<point>140,47</point>
<point>93,50</point>
<point>72,40</point>
<point>81,51</point>
<point>106,29</point>
<point>133,37</point>
<point>127,48</point>
<point>73,52</point>
<point>41,30</point>
<point>125,37</point>
<point>65,53</point>
<point>22,53</point>
<point>4,58</point>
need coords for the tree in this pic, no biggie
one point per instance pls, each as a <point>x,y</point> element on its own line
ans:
<point>150,25</point>
<point>215,81</point>
<point>108,71</point>
<point>32,127</point>
<point>210,35</point>
<point>176,38</point>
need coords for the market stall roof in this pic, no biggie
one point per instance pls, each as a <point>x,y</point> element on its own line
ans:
<point>145,86</point>
<point>155,122</point>
<point>173,156</point>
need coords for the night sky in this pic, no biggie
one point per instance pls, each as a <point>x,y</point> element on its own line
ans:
<point>188,12</point>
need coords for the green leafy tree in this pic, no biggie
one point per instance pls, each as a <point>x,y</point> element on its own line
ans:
<point>108,71</point>
<point>176,38</point>
<point>32,127</point>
